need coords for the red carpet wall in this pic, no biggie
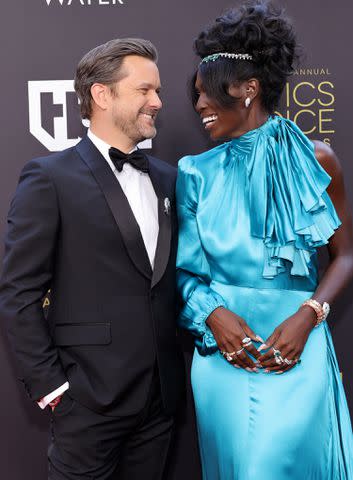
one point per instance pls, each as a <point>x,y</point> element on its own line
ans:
<point>41,43</point>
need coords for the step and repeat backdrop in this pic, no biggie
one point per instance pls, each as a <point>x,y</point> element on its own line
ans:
<point>41,43</point>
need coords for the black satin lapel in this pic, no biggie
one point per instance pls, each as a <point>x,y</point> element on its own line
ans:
<point>164,220</point>
<point>118,205</point>
<point>163,243</point>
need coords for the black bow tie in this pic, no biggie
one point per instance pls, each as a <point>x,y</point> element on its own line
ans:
<point>136,158</point>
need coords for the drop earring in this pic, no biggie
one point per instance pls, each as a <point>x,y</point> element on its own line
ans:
<point>247,102</point>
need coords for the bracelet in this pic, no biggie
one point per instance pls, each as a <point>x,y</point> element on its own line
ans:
<point>321,311</point>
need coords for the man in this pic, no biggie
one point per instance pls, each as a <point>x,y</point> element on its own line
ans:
<point>96,224</point>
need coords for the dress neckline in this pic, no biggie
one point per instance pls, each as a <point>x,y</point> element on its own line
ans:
<point>244,143</point>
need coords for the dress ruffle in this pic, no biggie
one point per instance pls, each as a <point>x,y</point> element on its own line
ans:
<point>291,210</point>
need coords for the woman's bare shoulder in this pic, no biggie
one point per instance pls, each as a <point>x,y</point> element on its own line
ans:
<point>327,159</point>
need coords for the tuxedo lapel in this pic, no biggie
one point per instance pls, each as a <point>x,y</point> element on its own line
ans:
<point>164,220</point>
<point>118,205</point>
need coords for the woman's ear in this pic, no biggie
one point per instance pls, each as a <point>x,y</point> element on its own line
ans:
<point>249,89</point>
<point>252,88</point>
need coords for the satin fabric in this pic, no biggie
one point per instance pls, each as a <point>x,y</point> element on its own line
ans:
<point>252,213</point>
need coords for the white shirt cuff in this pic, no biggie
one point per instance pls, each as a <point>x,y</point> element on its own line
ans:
<point>48,398</point>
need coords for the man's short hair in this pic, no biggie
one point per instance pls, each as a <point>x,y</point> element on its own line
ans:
<point>103,65</point>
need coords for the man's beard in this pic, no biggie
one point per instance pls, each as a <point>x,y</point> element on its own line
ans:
<point>135,129</point>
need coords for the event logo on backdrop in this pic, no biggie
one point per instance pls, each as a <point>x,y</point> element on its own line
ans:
<point>309,101</point>
<point>54,118</point>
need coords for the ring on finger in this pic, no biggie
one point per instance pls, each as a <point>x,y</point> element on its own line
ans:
<point>288,362</point>
<point>278,359</point>
<point>247,344</point>
<point>246,340</point>
<point>224,353</point>
<point>276,353</point>
<point>229,356</point>
<point>239,351</point>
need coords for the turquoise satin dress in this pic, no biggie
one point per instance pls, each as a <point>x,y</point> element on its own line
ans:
<point>252,212</point>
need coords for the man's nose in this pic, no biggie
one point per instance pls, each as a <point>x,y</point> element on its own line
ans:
<point>156,102</point>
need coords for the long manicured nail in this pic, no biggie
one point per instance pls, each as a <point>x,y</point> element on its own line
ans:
<point>266,371</point>
<point>235,366</point>
<point>255,370</point>
<point>248,369</point>
<point>279,372</point>
<point>262,347</point>
<point>260,339</point>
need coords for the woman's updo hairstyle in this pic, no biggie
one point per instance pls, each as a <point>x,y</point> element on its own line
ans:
<point>260,29</point>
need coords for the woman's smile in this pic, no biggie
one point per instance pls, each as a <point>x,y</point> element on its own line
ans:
<point>209,121</point>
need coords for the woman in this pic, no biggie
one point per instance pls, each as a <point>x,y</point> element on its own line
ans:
<point>252,211</point>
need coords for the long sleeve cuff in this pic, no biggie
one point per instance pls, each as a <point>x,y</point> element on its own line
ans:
<point>43,402</point>
<point>207,343</point>
<point>200,304</point>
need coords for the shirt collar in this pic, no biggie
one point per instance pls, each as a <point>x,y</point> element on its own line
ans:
<point>101,145</point>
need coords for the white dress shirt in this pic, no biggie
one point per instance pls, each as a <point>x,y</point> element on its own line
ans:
<point>139,191</point>
<point>140,194</point>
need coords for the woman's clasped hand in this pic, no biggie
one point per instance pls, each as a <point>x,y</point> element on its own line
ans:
<point>279,353</point>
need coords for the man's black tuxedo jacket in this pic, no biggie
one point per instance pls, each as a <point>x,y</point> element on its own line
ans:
<point>71,229</point>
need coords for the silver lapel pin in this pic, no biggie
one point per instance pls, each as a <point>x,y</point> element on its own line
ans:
<point>167,206</point>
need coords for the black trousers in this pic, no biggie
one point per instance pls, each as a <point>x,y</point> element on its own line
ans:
<point>86,445</point>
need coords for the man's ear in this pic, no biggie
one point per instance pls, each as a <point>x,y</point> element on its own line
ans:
<point>100,95</point>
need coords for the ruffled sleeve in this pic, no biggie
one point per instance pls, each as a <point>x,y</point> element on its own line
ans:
<point>193,272</point>
<point>291,210</point>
